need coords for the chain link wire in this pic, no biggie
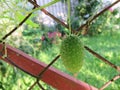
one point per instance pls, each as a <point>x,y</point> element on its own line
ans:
<point>3,51</point>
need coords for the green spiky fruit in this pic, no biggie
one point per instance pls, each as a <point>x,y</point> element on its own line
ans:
<point>72,53</point>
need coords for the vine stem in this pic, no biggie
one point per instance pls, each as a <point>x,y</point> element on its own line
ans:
<point>69,15</point>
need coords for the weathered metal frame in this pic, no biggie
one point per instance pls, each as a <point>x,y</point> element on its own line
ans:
<point>33,67</point>
<point>51,76</point>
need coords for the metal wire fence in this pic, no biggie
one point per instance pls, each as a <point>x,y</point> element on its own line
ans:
<point>61,13</point>
<point>59,10</point>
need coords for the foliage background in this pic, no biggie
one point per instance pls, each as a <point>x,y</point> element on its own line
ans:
<point>103,37</point>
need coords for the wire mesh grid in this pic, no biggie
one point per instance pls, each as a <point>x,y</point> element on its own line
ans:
<point>36,5</point>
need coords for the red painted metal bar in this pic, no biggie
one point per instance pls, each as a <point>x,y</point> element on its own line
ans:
<point>52,76</point>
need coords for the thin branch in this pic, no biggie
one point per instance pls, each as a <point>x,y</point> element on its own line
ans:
<point>103,59</point>
<point>97,15</point>
<point>109,82</point>
<point>43,71</point>
<point>14,29</point>
<point>49,14</point>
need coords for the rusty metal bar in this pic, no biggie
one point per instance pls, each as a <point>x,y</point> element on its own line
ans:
<point>43,71</point>
<point>52,76</point>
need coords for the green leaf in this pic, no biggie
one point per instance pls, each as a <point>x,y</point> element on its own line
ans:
<point>20,17</point>
<point>44,6</point>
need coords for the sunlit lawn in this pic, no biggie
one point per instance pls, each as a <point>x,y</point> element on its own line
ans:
<point>94,71</point>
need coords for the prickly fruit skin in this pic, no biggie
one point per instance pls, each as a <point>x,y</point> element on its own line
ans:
<point>72,53</point>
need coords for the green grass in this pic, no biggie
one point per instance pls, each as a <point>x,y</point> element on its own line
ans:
<point>94,71</point>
